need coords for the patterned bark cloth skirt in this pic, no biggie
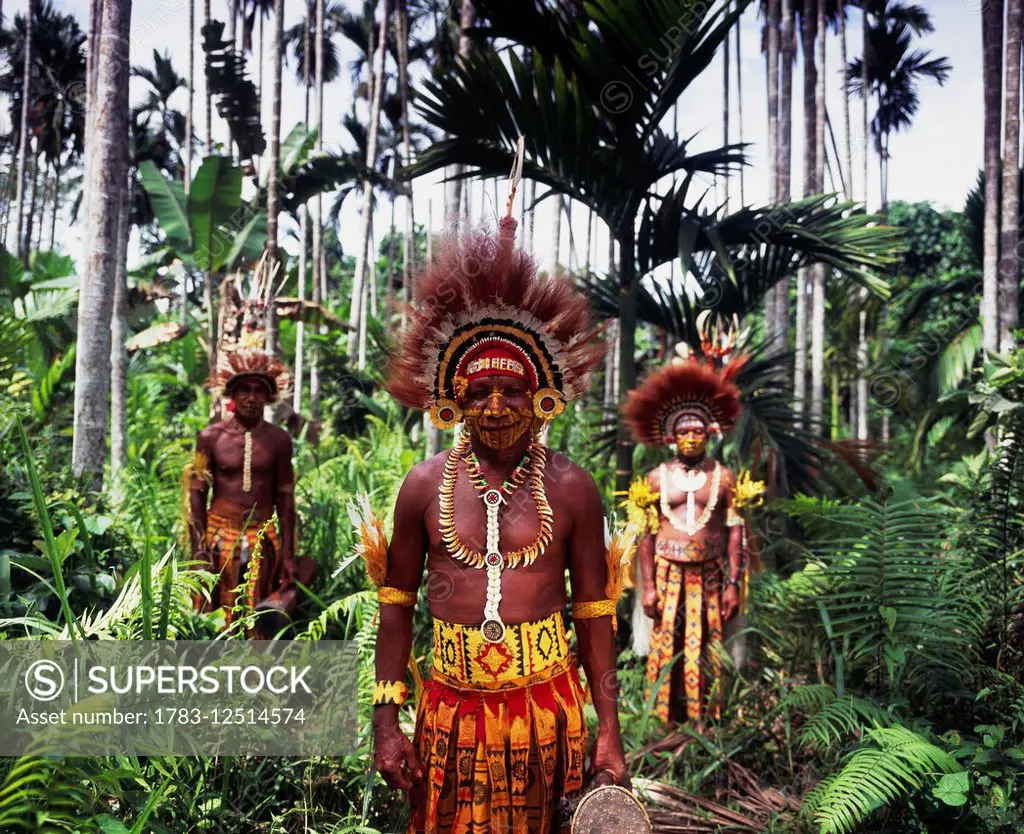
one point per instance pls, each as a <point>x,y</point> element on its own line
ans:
<point>500,731</point>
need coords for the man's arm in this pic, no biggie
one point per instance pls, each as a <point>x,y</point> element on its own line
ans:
<point>734,545</point>
<point>284,498</point>
<point>588,573</point>
<point>198,492</point>
<point>396,758</point>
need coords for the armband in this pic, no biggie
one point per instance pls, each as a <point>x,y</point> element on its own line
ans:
<point>389,692</point>
<point>733,518</point>
<point>395,596</point>
<point>594,609</point>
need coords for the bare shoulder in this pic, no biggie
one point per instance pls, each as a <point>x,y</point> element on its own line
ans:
<point>420,485</point>
<point>728,477</point>
<point>209,436</point>
<point>574,484</point>
<point>279,437</point>
<point>653,478</point>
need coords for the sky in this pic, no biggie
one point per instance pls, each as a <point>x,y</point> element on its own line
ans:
<point>937,160</point>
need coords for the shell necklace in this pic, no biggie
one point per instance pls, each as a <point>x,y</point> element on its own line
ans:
<point>690,482</point>
<point>493,629</point>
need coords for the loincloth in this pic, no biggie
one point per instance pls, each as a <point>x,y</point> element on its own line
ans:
<point>224,536</point>
<point>686,551</point>
<point>500,731</point>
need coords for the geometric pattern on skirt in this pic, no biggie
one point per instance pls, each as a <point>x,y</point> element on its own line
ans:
<point>498,759</point>
<point>698,627</point>
<point>222,539</point>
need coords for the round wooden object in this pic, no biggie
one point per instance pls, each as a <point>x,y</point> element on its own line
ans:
<point>610,809</point>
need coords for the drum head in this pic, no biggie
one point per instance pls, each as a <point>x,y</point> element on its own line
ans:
<point>610,810</point>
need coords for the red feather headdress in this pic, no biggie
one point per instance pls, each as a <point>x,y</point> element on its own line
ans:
<point>246,362</point>
<point>480,306</point>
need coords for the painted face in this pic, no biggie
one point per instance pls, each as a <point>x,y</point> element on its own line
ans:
<point>250,395</point>
<point>691,438</point>
<point>498,410</point>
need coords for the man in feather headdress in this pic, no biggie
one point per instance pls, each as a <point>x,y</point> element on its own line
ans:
<point>247,463</point>
<point>497,520</point>
<point>691,552</point>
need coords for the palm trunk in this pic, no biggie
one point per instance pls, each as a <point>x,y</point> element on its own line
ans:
<point>118,342</point>
<point>209,95</point>
<point>863,413</point>
<point>409,236</point>
<point>1009,272</point>
<point>30,218</point>
<point>739,107</point>
<point>808,23</point>
<point>274,172</point>
<point>725,100</point>
<point>992,38</point>
<point>611,368</point>
<point>357,318</point>
<point>369,290</point>
<point>847,160</point>
<point>107,176</point>
<point>787,57</point>
<point>56,202</point>
<point>318,232</point>
<point>300,328</point>
<point>819,273</point>
<point>627,349</point>
<point>26,95</point>
<point>389,296</point>
<point>556,234</point>
<point>865,61</point>
<point>191,92</point>
<point>590,232</point>
<point>772,58</point>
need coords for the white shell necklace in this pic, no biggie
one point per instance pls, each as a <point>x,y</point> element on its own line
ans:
<point>690,481</point>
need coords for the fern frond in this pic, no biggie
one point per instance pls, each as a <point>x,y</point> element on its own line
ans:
<point>895,764</point>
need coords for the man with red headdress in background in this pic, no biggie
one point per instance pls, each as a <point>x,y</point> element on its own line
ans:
<point>692,549</point>
<point>247,463</point>
<point>496,520</point>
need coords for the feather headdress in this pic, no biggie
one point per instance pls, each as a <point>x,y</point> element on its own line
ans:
<point>247,363</point>
<point>482,305</point>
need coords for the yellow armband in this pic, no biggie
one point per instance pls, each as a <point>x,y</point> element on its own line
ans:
<point>591,610</point>
<point>389,692</point>
<point>395,596</point>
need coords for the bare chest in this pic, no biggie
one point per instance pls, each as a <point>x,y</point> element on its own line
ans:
<point>230,453</point>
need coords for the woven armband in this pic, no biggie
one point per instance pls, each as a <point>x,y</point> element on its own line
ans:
<point>395,596</point>
<point>389,692</point>
<point>591,610</point>
<point>733,518</point>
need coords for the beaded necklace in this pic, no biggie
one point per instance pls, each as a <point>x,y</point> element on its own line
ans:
<point>493,628</point>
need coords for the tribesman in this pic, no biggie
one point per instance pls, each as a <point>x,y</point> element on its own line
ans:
<point>691,552</point>
<point>247,464</point>
<point>497,520</point>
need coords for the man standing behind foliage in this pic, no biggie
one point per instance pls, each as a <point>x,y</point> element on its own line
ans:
<point>247,462</point>
<point>498,519</point>
<point>693,541</point>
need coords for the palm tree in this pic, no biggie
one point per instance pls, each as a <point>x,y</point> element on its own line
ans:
<point>191,92</point>
<point>611,151</point>
<point>105,144</point>
<point>318,241</point>
<point>171,124</point>
<point>819,274</point>
<point>356,337</point>
<point>992,40</point>
<point>808,33</point>
<point>894,72</point>
<point>891,72</point>
<point>1009,268</point>
<point>784,148</point>
<point>772,24</point>
<point>209,92</point>
<point>274,165</point>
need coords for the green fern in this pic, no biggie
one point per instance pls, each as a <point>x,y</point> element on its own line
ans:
<point>831,719</point>
<point>895,764</point>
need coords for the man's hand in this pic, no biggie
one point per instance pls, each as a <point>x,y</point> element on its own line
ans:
<point>395,758</point>
<point>608,762</point>
<point>730,602</point>
<point>650,602</point>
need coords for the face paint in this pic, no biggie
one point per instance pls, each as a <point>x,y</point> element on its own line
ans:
<point>691,438</point>
<point>500,417</point>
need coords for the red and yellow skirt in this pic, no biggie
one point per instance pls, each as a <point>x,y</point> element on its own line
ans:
<point>699,631</point>
<point>500,731</point>
<point>224,536</point>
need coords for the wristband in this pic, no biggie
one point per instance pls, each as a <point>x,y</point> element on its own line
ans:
<point>389,692</point>
<point>734,582</point>
<point>395,596</point>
